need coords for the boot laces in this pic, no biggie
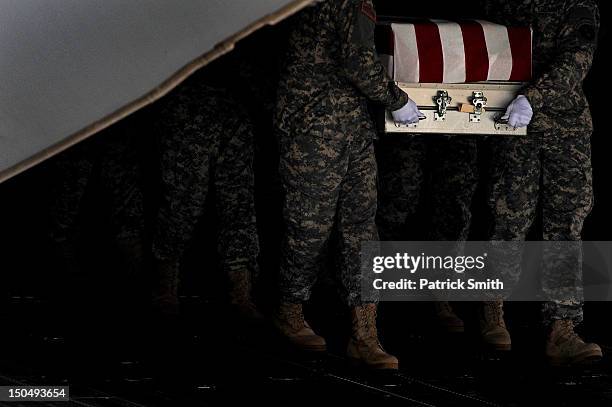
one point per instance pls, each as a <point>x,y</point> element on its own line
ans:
<point>369,325</point>
<point>567,334</point>
<point>444,307</point>
<point>493,313</point>
<point>294,316</point>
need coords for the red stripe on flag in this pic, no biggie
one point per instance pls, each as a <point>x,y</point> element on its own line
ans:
<point>431,60</point>
<point>520,45</point>
<point>476,55</point>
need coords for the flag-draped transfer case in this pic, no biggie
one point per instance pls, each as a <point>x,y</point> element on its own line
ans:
<point>462,75</point>
<point>70,68</point>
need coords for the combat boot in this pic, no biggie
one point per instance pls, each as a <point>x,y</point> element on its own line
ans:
<point>290,322</point>
<point>240,298</point>
<point>493,327</point>
<point>565,347</point>
<point>165,288</point>
<point>447,319</point>
<point>364,347</point>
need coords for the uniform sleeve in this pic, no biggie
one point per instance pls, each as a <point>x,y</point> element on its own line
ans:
<point>355,23</point>
<point>577,41</point>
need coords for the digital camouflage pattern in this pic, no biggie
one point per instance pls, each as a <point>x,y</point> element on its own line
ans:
<point>332,69</point>
<point>564,41</point>
<point>327,163</point>
<point>72,172</point>
<point>401,176</point>
<point>206,141</point>
<point>553,169</point>
<point>449,184</point>
<point>112,158</point>
<point>553,164</point>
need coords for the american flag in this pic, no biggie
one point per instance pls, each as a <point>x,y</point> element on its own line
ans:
<point>436,51</point>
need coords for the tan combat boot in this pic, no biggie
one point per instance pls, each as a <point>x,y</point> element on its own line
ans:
<point>165,288</point>
<point>565,347</point>
<point>493,327</point>
<point>290,322</point>
<point>447,319</point>
<point>240,297</point>
<point>364,347</point>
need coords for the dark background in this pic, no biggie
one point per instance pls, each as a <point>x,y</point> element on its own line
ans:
<point>98,316</point>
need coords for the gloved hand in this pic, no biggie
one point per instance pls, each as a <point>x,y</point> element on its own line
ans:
<point>408,114</point>
<point>519,112</point>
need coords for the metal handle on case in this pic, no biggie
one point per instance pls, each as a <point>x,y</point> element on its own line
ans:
<point>410,125</point>
<point>502,125</point>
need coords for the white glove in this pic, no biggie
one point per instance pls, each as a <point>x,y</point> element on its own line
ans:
<point>408,114</point>
<point>519,112</point>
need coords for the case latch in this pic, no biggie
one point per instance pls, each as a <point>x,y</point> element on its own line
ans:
<point>479,101</point>
<point>442,100</point>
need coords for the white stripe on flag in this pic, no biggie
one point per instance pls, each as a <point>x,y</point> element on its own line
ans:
<point>406,54</point>
<point>498,47</point>
<point>453,51</point>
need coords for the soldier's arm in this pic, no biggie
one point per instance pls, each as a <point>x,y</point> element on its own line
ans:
<point>356,21</point>
<point>577,42</point>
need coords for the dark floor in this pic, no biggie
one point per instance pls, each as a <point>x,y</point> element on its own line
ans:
<point>112,358</point>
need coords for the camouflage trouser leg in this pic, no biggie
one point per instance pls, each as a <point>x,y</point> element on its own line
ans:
<point>72,171</point>
<point>562,163</point>
<point>311,170</point>
<point>567,199</point>
<point>325,178</point>
<point>121,180</point>
<point>514,187</point>
<point>356,216</point>
<point>233,177</point>
<point>400,171</point>
<point>452,184</point>
<point>185,168</point>
<point>201,142</point>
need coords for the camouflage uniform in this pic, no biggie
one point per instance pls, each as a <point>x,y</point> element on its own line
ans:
<point>72,171</point>
<point>326,134</point>
<point>451,182</point>
<point>113,155</point>
<point>206,142</point>
<point>553,164</point>
<point>401,176</point>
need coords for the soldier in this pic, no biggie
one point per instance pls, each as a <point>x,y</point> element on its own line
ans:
<point>552,165</point>
<point>327,163</point>
<point>113,155</point>
<point>206,140</point>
